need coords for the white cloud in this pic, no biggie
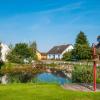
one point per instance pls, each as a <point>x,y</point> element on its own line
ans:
<point>67,7</point>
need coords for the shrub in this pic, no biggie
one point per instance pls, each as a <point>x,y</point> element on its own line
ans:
<point>21,77</point>
<point>20,74</point>
<point>1,64</point>
<point>67,56</point>
<point>82,74</point>
<point>98,74</point>
<point>98,80</point>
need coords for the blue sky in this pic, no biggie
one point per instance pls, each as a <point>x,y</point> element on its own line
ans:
<point>48,22</point>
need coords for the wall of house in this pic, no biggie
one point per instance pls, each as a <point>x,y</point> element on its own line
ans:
<point>38,55</point>
<point>54,56</point>
<point>4,51</point>
<point>43,57</point>
<point>68,49</point>
<point>59,56</point>
<point>50,56</point>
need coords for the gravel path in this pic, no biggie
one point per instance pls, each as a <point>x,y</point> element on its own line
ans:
<point>81,87</point>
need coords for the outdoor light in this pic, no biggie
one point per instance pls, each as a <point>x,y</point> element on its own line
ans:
<point>94,66</point>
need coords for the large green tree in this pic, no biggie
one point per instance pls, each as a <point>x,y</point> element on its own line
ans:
<point>33,49</point>
<point>81,39</point>
<point>98,39</point>
<point>67,56</point>
<point>98,45</point>
<point>82,50</point>
<point>20,53</point>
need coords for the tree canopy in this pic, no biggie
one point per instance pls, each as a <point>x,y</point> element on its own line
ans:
<point>33,49</point>
<point>67,56</point>
<point>82,50</point>
<point>98,39</point>
<point>98,45</point>
<point>21,52</point>
<point>81,39</point>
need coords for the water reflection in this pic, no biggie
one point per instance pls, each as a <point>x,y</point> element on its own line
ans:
<point>51,78</point>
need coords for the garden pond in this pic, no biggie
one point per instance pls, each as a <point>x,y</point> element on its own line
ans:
<point>51,78</point>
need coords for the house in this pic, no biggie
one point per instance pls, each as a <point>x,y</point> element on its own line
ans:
<point>41,55</point>
<point>4,51</point>
<point>38,55</point>
<point>57,51</point>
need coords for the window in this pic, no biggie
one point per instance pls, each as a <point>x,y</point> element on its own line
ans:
<point>59,56</point>
<point>49,55</point>
<point>53,56</point>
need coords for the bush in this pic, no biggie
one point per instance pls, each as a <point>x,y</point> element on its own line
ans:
<point>67,56</point>
<point>82,74</point>
<point>1,64</point>
<point>98,80</point>
<point>98,74</point>
<point>21,77</point>
<point>20,74</point>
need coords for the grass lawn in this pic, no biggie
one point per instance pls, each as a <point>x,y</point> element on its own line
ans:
<point>43,92</point>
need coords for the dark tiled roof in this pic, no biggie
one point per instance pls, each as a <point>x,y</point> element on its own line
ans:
<point>58,49</point>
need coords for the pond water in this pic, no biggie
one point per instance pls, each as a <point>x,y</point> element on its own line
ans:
<point>51,78</point>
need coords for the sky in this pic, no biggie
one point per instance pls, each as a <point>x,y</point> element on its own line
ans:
<point>48,22</point>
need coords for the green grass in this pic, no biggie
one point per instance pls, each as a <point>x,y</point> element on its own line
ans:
<point>43,92</point>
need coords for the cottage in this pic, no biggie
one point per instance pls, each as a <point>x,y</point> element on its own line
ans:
<point>4,51</point>
<point>57,51</point>
<point>41,55</point>
<point>38,55</point>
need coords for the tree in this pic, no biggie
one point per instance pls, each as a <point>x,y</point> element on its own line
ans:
<point>22,50</point>
<point>33,49</point>
<point>81,39</point>
<point>98,39</point>
<point>33,45</point>
<point>98,46</point>
<point>20,53</point>
<point>10,46</point>
<point>82,50</point>
<point>67,56</point>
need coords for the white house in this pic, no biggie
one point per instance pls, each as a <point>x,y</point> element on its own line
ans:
<point>57,51</point>
<point>4,51</point>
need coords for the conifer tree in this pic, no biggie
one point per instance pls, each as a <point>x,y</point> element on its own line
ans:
<point>82,50</point>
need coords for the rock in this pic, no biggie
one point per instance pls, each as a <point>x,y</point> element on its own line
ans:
<point>4,79</point>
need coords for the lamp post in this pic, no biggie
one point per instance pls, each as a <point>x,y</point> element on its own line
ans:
<point>94,67</point>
